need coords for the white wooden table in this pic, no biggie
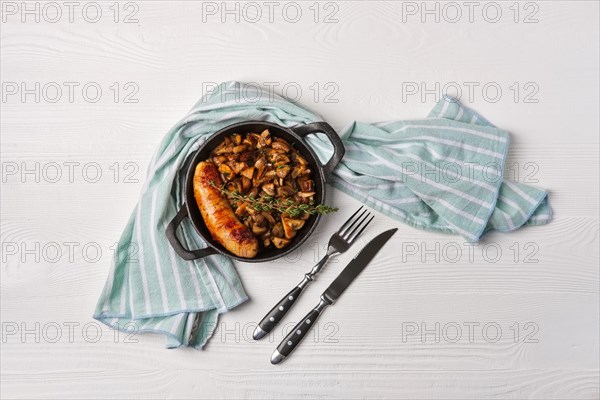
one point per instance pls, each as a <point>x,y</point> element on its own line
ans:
<point>515,317</point>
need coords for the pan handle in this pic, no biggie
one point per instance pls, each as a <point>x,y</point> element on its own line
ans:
<point>338,146</point>
<point>176,244</point>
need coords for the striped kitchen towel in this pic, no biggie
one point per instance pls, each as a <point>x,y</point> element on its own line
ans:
<point>442,173</point>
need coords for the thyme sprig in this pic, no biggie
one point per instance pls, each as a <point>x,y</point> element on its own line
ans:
<point>283,206</point>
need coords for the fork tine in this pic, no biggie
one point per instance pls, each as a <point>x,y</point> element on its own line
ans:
<point>357,234</point>
<point>353,228</point>
<point>347,223</point>
<point>348,229</point>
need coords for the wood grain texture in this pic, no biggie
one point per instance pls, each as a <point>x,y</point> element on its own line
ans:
<point>394,334</point>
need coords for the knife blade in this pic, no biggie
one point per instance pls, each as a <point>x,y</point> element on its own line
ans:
<point>330,295</point>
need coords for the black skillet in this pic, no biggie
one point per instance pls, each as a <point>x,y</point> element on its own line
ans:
<point>294,136</point>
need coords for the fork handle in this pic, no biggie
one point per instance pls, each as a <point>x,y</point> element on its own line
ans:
<point>278,312</point>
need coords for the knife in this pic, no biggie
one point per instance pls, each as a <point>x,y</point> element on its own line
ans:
<point>330,295</point>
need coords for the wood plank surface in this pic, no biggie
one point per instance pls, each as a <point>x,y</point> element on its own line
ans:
<point>515,317</point>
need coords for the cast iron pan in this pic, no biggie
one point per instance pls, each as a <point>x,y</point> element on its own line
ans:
<point>294,136</point>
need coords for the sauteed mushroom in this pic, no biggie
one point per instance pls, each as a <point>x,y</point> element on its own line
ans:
<point>257,170</point>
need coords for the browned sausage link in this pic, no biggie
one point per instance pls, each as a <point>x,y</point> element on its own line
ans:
<point>218,215</point>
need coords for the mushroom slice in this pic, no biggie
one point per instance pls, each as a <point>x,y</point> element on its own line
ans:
<point>225,170</point>
<point>298,170</point>
<point>290,226</point>
<point>246,184</point>
<point>307,185</point>
<point>246,157</point>
<point>306,194</point>
<point>264,139</point>
<point>279,242</point>
<point>259,230</point>
<point>253,193</point>
<point>224,150</point>
<point>220,146</point>
<point>259,219</point>
<point>280,158</point>
<point>270,175</point>
<point>300,160</point>
<point>239,149</point>
<point>241,209</point>
<point>278,145</point>
<point>304,216</point>
<point>266,135</point>
<point>248,172</point>
<point>234,186</point>
<point>238,166</point>
<point>256,182</point>
<point>250,210</point>
<point>285,191</point>
<point>269,188</point>
<point>282,171</point>
<point>278,230</point>
<point>250,141</point>
<point>218,160</point>
<point>268,217</point>
<point>291,182</point>
<point>260,165</point>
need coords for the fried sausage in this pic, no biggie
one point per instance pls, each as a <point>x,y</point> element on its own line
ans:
<point>218,215</point>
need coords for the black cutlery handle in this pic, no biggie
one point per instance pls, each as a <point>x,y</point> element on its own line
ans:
<point>289,343</point>
<point>277,313</point>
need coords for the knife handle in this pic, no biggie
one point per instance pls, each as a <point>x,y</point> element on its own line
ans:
<point>289,343</point>
<point>277,313</point>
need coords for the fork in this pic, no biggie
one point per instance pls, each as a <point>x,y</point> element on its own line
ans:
<point>339,242</point>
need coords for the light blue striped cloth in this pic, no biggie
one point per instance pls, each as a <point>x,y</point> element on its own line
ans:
<point>442,173</point>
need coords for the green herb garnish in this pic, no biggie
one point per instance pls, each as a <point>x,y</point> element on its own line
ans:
<point>283,206</point>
